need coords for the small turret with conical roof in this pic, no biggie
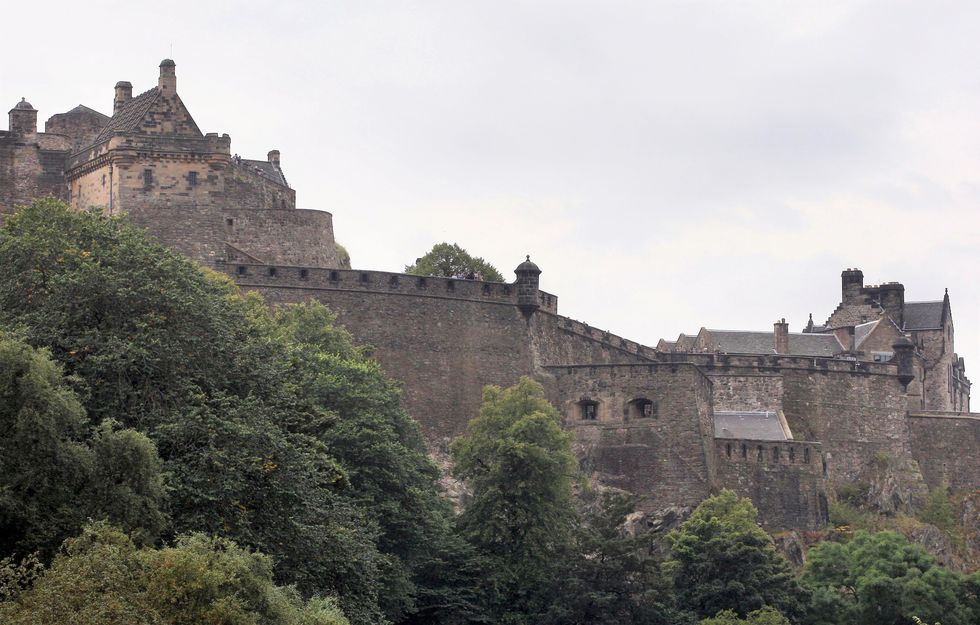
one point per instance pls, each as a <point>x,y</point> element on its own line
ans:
<point>23,118</point>
<point>528,297</point>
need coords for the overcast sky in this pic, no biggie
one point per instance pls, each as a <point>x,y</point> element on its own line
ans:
<point>669,165</point>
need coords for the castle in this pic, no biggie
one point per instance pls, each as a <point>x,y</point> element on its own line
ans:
<point>875,396</point>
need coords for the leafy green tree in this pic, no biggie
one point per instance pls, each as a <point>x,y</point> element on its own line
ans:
<point>451,261</point>
<point>101,578</point>
<point>518,462</point>
<point>763,616</point>
<point>153,342</point>
<point>883,579</point>
<point>360,421</point>
<point>55,472</point>
<point>607,576</point>
<point>723,560</point>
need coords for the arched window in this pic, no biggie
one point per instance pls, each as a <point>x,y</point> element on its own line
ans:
<point>588,410</point>
<point>641,408</point>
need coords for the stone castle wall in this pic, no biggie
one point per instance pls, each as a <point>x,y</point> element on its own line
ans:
<point>784,479</point>
<point>282,237</point>
<point>947,448</point>
<point>665,458</point>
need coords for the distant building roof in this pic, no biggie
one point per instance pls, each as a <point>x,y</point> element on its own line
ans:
<point>129,116</point>
<point>923,315</point>
<point>744,342</point>
<point>266,170</point>
<point>863,331</point>
<point>759,426</point>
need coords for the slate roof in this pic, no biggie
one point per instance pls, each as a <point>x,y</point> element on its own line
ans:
<point>684,343</point>
<point>923,315</point>
<point>266,170</point>
<point>759,426</point>
<point>742,342</point>
<point>129,116</point>
<point>863,331</point>
<point>81,108</point>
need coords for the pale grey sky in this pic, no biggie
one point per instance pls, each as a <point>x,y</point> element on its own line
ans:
<point>669,165</point>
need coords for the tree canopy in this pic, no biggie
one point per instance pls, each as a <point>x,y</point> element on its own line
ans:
<point>723,560</point>
<point>451,261</point>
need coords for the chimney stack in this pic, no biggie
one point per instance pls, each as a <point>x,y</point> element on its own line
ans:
<point>168,77</point>
<point>852,281</point>
<point>781,335</point>
<point>274,157</point>
<point>124,91</point>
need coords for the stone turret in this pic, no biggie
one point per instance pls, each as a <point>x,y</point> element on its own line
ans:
<point>528,296</point>
<point>274,157</point>
<point>23,118</point>
<point>124,91</point>
<point>904,359</point>
<point>168,77</point>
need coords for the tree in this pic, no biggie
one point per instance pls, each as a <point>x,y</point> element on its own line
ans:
<point>763,616</point>
<point>55,471</point>
<point>451,261</point>
<point>607,575</point>
<point>883,579</point>
<point>723,560</point>
<point>518,462</point>
<point>102,578</point>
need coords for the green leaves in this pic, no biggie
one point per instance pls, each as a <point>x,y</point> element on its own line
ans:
<point>452,261</point>
<point>101,578</point>
<point>883,579</point>
<point>722,560</point>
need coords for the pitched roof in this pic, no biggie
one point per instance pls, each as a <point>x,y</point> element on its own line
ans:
<point>923,315</point>
<point>81,108</point>
<point>742,342</point>
<point>863,331</point>
<point>266,170</point>
<point>853,314</point>
<point>759,426</point>
<point>129,116</point>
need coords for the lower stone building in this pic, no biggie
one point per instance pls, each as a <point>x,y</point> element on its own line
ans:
<point>876,395</point>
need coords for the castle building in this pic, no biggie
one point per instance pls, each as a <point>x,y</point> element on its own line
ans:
<point>875,396</point>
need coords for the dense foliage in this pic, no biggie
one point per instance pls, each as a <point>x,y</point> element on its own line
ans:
<point>882,579</point>
<point>449,260</point>
<point>723,560</point>
<point>102,578</point>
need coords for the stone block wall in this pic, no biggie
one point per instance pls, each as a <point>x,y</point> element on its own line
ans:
<point>784,479</point>
<point>282,237</point>
<point>244,187</point>
<point>666,458</point>
<point>947,448</point>
<point>31,166</point>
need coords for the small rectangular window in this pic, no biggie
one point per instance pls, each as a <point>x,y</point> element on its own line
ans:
<point>304,274</point>
<point>192,178</point>
<point>272,272</point>
<point>241,270</point>
<point>147,178</point>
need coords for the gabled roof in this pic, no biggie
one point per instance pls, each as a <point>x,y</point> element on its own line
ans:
<point>743,342</point>
<point>863,331</point>
<point>759,426</point>
<point>266,170</point>
<point>81,108</point>
<point>128,118</point>
<point>923,315</point>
